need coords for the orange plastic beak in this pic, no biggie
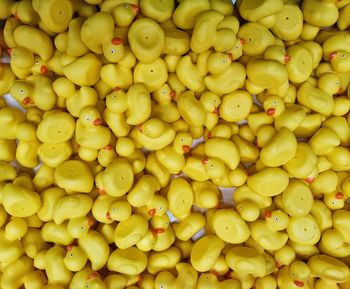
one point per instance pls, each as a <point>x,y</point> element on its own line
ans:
<point>242,41</point>
<point>9,51</point>
<point>230,56</point>
<point>91,221</point>
<point>26,100</point>
<point>268,214</point>
<point>135,8</point>
<point>216,111</point>
<point>205,161</point>
<point>117,89</point>
<point>44,69</point>
<point>172,94</point>
<point>339,195</point>
<point>309,180</point>
<point>298,283</point>
<point>210,135</point>
<point>287,58</point>
<point>108,147</point>
<point>332,56</point>
<point>117,41</point>
<point>271,111</point>
<point>92,275</point>
<point>98,122</point>
<point>140,128</point>
<point>69,248</point>
<point>108,216</point>
<point>278,264</point>
<point>152,212</point>
<point>186,148</point>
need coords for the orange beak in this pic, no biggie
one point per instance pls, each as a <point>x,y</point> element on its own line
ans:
<point>332,56</point>
<point>152,212</point>
<point>210,135</point>
<point>340,90</point>
<point>69,248</point>
<point>230,56</point>
<point>271,111</point>
<point>309,180</point>
<point>205,161</point>
<point>117,41</point>
<point>101,192</point>
<point>216,111</point>
<point>9,51</point>
<point>242,41</point>
<point>92,275</point>
<point>298,283</point>
<point>278,264</point>
<point>117,89</point>
<point>215,273</point>
<point>44,69</point>
<point>268,214</point>
<point>26,100</point>
<point>339,195</point>
<point>287,58</point>
<point>91,221</point>
<point>108,147</point>
<point>135,8</point>
<point>108,216</point>
<point>98,122</point>
<point>140,128</point>
<point>172,94</point>
<point>186,148</point>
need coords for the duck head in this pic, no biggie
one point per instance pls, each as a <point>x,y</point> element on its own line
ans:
<point>274,106</point>
<point>277,220</point>
<point>183,142</point>
<point>157,206</point>
<point>164,94</point>
<point>22,91</point>
<point>90,117</point>
<point>117,101</point>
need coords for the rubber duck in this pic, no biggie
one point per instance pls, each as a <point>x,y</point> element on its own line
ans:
<point>74,176</point>
<point>153,134</point>
<point>96,248</point>
<point>211,102</point>
<point>206,194</point>
<point>19,268</point>
<point>284,256</point>
<point>73,206</point>
<point>235,106</point>
<point>164,240</point>
<point>8,150</point>
<point>143,191</point>
<point>155,168</point>
<point>160,261</point>
<point>49,198</point>
<point>35,278</point>
<point>268,281</point>
<point>326,16</point>
<point>58,234</point>
<point>244,193</point>
<point>87,126</point>
<point>124,13</point>
<point>130,261</point>
<point>339,125</point>
<point>56,271</point>
<point>258,12</point>
<point>11,250</point>
<point>177,42</point>
<point>191,109</point>
<point>259,182</point>
<point>100,207</point>
<point>339,222</point>
<point>210,280</point>
<point>338,157</point>
<point>130,231</point>
<point>172,157</point>
<point>16,228</point>
<point>30,92</point>
<point>180,192</point>
<point>328,268</point>
<point>342,22</point>
<point>106,155</point>
<point>295,275</point>
<point>332,243</point>
<point>303,230</point>
<point>110,71</point>
<point>324,141</point>
<point>79,226</point>
<point>7,78</point>
<point>75,258</point>
<point>189,226</point>
<point>267,232</point>
<point>335,200</point>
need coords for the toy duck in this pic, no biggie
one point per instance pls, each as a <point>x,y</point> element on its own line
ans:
<point>244,193</point>
<point>326,139</point>
<point>322,214</point>
<point>266,233</point>
<point>335,200</point>
<point>75,258</point>
<point>106,155</point>
<point>332,243</point>
<point>233,110</point>
<point>10,250</point>
<point>206,194</point>
<point>89,125</point>
<point>268,281</point>
<point>210,280</point>
<point>58,234</point>
<point>294,275</point>
<point>16,229</point>
<point>191,109</point>
<point>338,158</point>
<point>284,256</point>
<point>153,134</point>
<point>303,230</point>
<point>110,71</point>
<point>326,16</point>
<point>19,269</point>
<point>30,92</point>
<point>172,157</point>
<point>189,226</point>
<point>339,126</point>
<point>96,248</point>
<point>180,192</point>
<point>211,102</point>
<point>7,78</point>
<point>74,176</point>
<point>130,261</point>
<point>130,231</point>
<point>160,261</point>
<point>49,197</point>
<point>164,240</point>
<point>79,227</point>
<point>101,205</point>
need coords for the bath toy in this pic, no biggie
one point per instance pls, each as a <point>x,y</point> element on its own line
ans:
<point>49,198</point>
<point>154,167</point>
<point>164,240</point>
<point>158,12</point>
<point>211,102</point>
<point>191,109</point>
<point>243,193</point>
<point>294,275</point>
<point>55,268</point>
<point>332,243</point>
<point>143,191</point>
<point>235,230</point>
<point>130,231</point>
<point>342,22</point>
<point>180,192</point>
<point>130,261</point>
<point>13,274</point>
<point>9,172</point>
<point>7,78</point>
<point>247,150</point>
<point>147,46</point>
<point>74,176</point>
<point>177,42</point>
<point>106,155</point>
<point>124,13</point>
<point>326,140</point>
<point>189,226</point>
<point>8,150</point>
<point>74,45</point>
<point>110,71</point>
<point>55,154</point>
<point>206,194</point>
<point>284,256</point>
<point>338,157</point>
<point>36,279</point>
<point>334,200</point>
<point>322,214</point>
<point>75,258</point>
<point>160,261</point>
<point>259,182</point>
<point>10,250</point>
<point>57,234</point>
<point>326,15</point>
<point>125,146</point>
<point>303,230</point>
<point>297,199</point>
<point>235,106</point>
<point>79,226</point>
<point>260,11</point>
<point>337,124</point>
<point>16,229</point>
<point>84,97</point>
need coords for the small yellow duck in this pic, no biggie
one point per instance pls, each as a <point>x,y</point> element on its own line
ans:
<point>295,275</point>
<point>88,126</point>
<point>284,256</point>
<point>130,261</point>
<point>327,13</point>
<point>124,13</point>
<point>206,194</point>
<point>172,157</point>
<point>75,258</point>
<point>79,227</point>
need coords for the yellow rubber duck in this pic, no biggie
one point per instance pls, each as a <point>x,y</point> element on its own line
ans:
<point>164,240</point>
<point>189,226</point>
<point>11,117</point>
<point>267,233</point>
<point>284,256</point>
<point>49,198</point>
<point>10,250</point>
<point>154,167</point>
<point>206,194</point>
<point>172,157</point>
<point>19,268</point>
<point>327,13</point>
<point>210,280</point>
<point>163,107</point>
<point>16,228</point>
<point>191,109</point>
<point>160,261</point>
<point>335,200</point>
<point>30,92</point>
<point>87,127</point>
<point>332,243</point>
<point>143,191</point>
<point>211,102</point>
<point>153,134</point>
<point>124,13</point>
<point>114,50</point>
<point>265,282</point>
<point>130,261</point>
<point>106,155</point>
<point>79,227</point>
<point>260,11</point>
<point>295,275</point>
<point>303,230</point>
<point>75,258</point>
<point>180,192</point>
<point>7,78</point>
<point>110,71</point>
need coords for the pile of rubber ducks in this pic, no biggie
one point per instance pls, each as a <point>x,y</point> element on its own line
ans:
<point>132,118</point>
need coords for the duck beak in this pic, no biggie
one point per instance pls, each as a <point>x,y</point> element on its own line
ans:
<point>271,111</point>
<point>91,221</point>
<point>92,275</point>
<point>9,51</point>
<point>116,89</point>
<point>210,135</point>
<point>309,180</point>
<point>140,128</point>
<point>205,161</point>
<point>117,41</point>
<point>97,122</point>
<point>108,216</point>
<point>26,100</point>
<point>340,90</point>
<point>268,214</point>
<point>44,69</point>
<point>242,41</point>
<point>172,94</point>
<point>287,58</point>
<point>298,283</point>
<point>216,111</point>
<point>69,248</point>
<point>135,8</point>
<point>339,195</point>
<point>332,56</point>
<point>101,192</point>
<point>186,148</point>
<point>152,212</point>
<point>278,265</point>
<point>230,56</point>
<point>108,147</point>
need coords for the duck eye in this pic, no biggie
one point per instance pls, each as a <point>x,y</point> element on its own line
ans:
<point>125,5</point>
<point>114,209</point>
<point>343,56</point>
<point>163,91</point>
<point>334,203</point>
<point>113,50</point>
<point>274,102</point>
<point>88,118</point>
<point>70,255</point>
<point>223,61</point>
<point>100,154</point>
<point>83,227</point>
<point>160,208</point>
<point>276,218</point>
<point>215,101</point>
<point>21,91</point>
<point>182,140</point>
<point>211,166</point>
<point>37,62</point>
